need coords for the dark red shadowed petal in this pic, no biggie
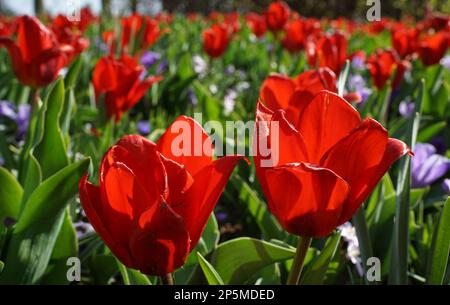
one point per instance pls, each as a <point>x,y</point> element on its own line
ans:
<point>139,89</point>
<point>307,200</point>
<point>187,143</point>
<point>276,91</point>
<point>324,121</point>
<point>160,241</point>
<point>93,206</point>
<point>203,195</point>
<point>361,159</point>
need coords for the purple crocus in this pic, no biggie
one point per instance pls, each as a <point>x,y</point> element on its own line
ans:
<point>356,83</point>
<point>162,67</point>
<point>8,110</point>
<point>192,97</point>
<point>427,166</point>
<point>150,58</point>
<point>143,127</point>
<point>445,62</point>
<point>358,63</point>
<point>406,109</point>
<point>21,117</point>
<point>446,186</point>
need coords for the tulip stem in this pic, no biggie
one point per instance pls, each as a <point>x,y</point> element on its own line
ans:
<point>299,259</point>
<point>167,279</point>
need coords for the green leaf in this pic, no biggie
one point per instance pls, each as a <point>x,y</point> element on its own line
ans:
<point>268,225</point>
<point>35,233</point>
<point>440,248</point>
<point>211,235</point>
<point>399,262</point>
<point>426,134</point>
<point>132,276</point>
<point>315,273</point>
<point>211,274</point>
<point>238,259</point>
<point>72,75</point>
<point>10,196</point>
<point>343,78</point>
<point>51,151</point>
<point>66,246</point>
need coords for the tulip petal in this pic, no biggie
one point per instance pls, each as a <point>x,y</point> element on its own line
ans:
<point>361,159</point>
<point>277,142</point>
<point>185,142</point>
<point>203,195</point>
<point>139,89</point>
<point>307,200</point>
<point>160,242</point>
<point>327,119</point>
<point>140,155</point>
<point>33,38</point>
<point>179,181</point>
<point>104,76</point>
<point>92,204</point>
<point>276,91</point>
<point>126,198</point>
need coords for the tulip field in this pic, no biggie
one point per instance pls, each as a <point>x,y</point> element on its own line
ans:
<point>230,148</point>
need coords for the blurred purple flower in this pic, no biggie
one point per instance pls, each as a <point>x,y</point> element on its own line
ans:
<point>150,58</point>
<point>162,67</point>
<point>406,109</point>
<point>221,216</point>
<point>192,97</point>
<point>358,63</point>
<point>2,161</point>
<point>21,117</point>
<point>230,70</point>
<point>445,62</point>
<point>356,83</point>
<point>446,186</point>
<point>427,166</point>
<point>439,143</point>
<point>23,120</point>
<point>143,127</point>
<point>270,48</point>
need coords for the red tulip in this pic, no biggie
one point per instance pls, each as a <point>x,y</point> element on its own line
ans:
<point>404,41</point>
<point>68,32</point>
<point>382,64</point>
<point>257,24</point>
<point>324,164</point>
<point>151,205</point>
<point>37,56</point>
<point>433,48</point>
<point>295,36</point>
<point>144,30</point>
<point>329,51</point>
<point>277,15</point>
<point>215,40</point>
<point>281,92</point>
<point>121,82</point>
<point>7,26</point>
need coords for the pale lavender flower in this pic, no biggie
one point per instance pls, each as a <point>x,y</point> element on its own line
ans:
<point>229,101</point>
<point>150,58</point>
<point>356,83</point>
<point>358,63</point>
<point>8,110</point>
<point>230,70</point>
<point>406,109</point>
<point>82,228</point>
<point>446,186</point>
<point>427,166</point>
<point>143,127</point>
<point>199,65</point>
<point>348,233</point>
